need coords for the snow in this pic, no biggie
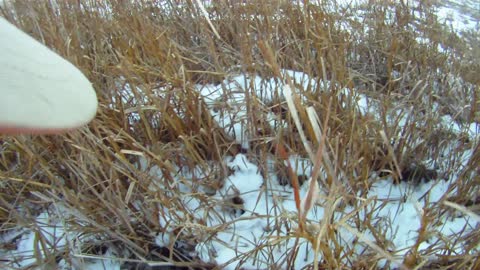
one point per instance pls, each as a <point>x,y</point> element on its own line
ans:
<point>404,211</point>
<point>399,208</point>
<point>47,235</point>
<point>460,16</point>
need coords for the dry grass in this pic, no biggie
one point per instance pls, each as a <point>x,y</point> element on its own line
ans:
<point>161,49</point>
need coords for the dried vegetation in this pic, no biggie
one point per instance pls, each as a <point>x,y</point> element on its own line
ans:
<point>160,51</point>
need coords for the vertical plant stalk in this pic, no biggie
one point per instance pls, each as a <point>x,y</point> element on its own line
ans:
<point>205,14</point>
<point>282,153</point>
<point>313,189</point>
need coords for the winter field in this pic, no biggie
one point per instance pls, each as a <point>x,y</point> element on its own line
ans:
<point>253,135</point>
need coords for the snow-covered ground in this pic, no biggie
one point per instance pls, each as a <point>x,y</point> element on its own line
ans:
<point>460,15</point>
<point>245,235</point>
<point>241,232</point>
<point>401,211</point>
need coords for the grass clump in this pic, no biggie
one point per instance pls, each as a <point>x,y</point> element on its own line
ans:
<point>156,146</point>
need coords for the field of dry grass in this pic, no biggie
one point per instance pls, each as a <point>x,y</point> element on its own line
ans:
<point>122,180</point>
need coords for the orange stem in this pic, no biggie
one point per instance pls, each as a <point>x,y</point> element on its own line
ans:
<point>294,181</point>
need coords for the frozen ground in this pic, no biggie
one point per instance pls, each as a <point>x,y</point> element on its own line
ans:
<point>241,232</point>
<point>400,212</point>
<point>460,15</point>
